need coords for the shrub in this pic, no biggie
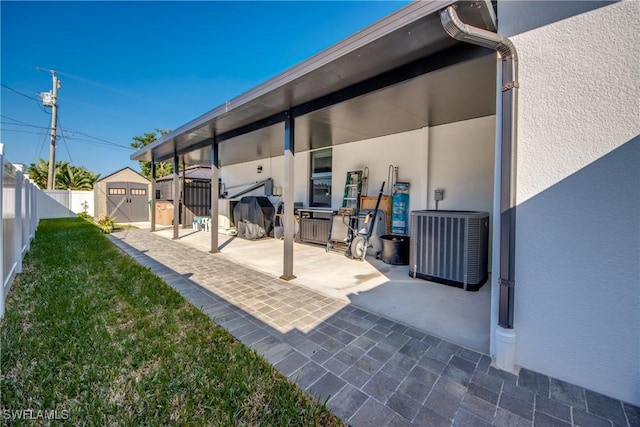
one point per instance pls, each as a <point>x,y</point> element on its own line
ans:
<point>106,224</point>
<point>85,215</point>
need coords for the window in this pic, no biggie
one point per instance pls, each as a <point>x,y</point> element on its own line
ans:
<point>117,191</point>
<point>138,191</point>
<point>320,178</point>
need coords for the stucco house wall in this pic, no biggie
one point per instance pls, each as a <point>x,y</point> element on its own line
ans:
<point>577,297</point>
<point>242,175</point>
<point>461,161</point>
<point>457,157</point>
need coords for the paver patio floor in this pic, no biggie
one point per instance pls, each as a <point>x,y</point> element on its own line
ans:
<point>374,371</point>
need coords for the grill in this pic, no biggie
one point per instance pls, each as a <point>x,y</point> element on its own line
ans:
<point>254,217</point>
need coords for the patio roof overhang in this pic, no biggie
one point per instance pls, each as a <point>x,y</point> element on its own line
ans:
<point>401,73</point>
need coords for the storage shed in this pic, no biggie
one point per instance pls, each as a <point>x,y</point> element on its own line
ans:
<point>124,195</point>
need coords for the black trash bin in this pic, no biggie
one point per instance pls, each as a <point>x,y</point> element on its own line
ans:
<point>395,249</point>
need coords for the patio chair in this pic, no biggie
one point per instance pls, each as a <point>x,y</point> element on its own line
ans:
<point>340,229</point>
<point>278,221</point>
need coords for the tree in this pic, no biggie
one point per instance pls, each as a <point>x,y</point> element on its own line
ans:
<point>39,172</point>
<point>68,177</point>
<point>75,178</point>
<point>162,168</point>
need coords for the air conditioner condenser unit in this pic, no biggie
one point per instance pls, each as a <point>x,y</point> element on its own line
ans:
<point>450,247</point>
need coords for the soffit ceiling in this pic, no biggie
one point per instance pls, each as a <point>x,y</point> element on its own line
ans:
<point>457,92</point>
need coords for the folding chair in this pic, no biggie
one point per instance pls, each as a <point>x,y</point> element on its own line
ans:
<point>340,229</point>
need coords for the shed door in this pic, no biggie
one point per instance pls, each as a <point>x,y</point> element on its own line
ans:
<point>127,201</point>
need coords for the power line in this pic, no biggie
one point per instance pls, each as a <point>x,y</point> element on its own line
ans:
<point>37,154</point>
<point>25,131</point>
<point>103,140</point>
<point>21,123</point>
<point>64,139</point>
<point>24,124</point>
<point>106,144</point>
<point>55,123</point>
<point>18,92</point>
<point>40,147</point>
<point>11,118</point>
<point>40,143</point>
<point>26,96</point>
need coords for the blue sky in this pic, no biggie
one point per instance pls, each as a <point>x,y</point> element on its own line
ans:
<point>128,68</point>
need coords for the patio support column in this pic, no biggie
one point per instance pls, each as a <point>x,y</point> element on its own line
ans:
<point>215,194</point>
<point>153,195</point>
<point>176,196</point>
<point>183,215</point>
<point>289,222</point>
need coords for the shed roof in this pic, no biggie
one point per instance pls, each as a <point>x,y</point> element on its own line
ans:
<point>124,174</point>
<point>401,73</point>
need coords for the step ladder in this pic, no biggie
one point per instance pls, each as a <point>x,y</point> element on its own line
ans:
<point>352,190</point>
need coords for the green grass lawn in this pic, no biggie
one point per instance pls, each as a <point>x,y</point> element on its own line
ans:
<point>92,334</point>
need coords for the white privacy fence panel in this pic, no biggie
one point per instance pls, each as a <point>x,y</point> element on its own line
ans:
<point>10,255</point>
<point>15,208</point>
<point>50,207</point>
<point>60,196</point>
<point>21,206</point>
<point>27,198</point>
<point>81,200</point>
<point>76,201</point>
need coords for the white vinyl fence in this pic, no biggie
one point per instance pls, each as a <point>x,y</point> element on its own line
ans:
<point>75,200</point>
<point>21,207</point>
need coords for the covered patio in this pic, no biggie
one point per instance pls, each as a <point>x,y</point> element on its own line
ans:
<point>402,74</point>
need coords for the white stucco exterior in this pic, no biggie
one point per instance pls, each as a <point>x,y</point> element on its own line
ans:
<point>577,298</point>
<point>457,157</point>
<point>240,176</point>
<point>461,162</point>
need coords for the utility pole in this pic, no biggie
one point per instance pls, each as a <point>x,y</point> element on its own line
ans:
<point>51,179</point>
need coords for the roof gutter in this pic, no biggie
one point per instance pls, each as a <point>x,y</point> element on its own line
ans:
<point>507,51</point>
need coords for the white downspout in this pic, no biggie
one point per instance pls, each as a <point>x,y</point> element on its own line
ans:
<point>505,335</point>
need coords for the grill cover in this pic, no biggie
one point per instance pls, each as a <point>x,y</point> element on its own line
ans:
<point>253,216</point>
